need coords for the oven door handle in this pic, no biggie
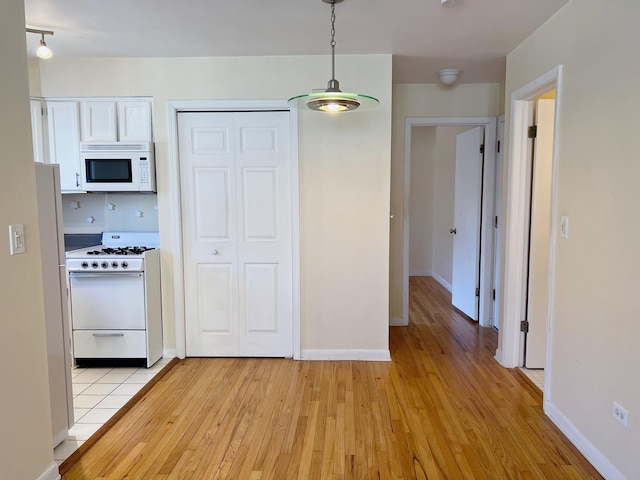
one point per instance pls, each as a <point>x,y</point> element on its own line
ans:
<point>102,275</point>
<point>108,334</point>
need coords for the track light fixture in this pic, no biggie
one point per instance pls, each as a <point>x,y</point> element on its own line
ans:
<point>43,51</point>
<point>333,99</point>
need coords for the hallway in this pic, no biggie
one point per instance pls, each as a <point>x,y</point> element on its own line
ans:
<point>442,409</point>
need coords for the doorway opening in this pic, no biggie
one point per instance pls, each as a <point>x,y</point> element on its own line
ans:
<point>486,213</point>
<point>530,227</point>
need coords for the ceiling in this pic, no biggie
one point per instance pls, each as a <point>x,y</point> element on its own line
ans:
<point>423,36</point>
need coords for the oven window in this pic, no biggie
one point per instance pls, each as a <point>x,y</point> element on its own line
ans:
<point>104,170</point>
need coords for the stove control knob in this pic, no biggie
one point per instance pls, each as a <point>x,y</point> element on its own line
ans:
<point>114,264</point>
<point>125,264</point>
<point>94,265</point>
<point>104,264</point>
<point>84,264</point>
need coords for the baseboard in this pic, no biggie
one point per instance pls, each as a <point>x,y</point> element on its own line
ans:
<point>397,322</point>
<point>442,281</point>
<point>582,443</point>
<point>51,473</point>
<point>362,355</point>
<point>169,353</point>
<point>420,273</point>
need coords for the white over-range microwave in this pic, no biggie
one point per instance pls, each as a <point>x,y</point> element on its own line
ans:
<point>118,167</point>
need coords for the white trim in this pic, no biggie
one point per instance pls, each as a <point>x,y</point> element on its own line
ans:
<point>512,294</point>
<point>498,203</point>
<point>582,443</point>
<point>169,353</point>
<point>360,355</point>
<point>174,107</point>
<point>486,242</point>
<point>442,281</point>
<point>396,322</point>
<point>421,273</point>
<point>51,473</point>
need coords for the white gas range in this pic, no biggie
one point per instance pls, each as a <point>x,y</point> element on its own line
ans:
<point>115,300</point>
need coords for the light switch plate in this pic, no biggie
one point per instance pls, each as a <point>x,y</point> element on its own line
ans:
<point>564,227</point>
<point>16,239</point>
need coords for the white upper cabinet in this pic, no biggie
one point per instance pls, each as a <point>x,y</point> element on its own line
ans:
<point>37,130</point>
<point>64,142</point>
<point>99,121</point>
<point>134,121</point>
<point>116,121</point>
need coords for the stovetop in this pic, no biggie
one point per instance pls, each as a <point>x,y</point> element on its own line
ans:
<point>128,250</point>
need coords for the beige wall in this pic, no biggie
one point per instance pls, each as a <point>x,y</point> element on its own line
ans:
<point>421,200</point>
<point>25,443</point>
<point>425,100</point>
<point>595,328</point>
<point>344,174</point>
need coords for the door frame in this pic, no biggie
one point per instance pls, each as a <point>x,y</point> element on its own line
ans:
<point>175,107</point>
<point>510,339</point>
<point>499,226</point>
<point>487,238</point>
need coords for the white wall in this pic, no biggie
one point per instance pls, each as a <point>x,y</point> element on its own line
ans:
<point>595,357</point>
<point>25,443</point>
<point>425,100</point>
<point>344,174</point>
<point>422,201</point>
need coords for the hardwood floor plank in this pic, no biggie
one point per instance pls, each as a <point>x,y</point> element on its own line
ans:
<point>442,409</point>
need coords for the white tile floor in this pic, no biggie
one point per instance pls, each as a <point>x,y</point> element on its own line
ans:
<point>98,393</point>
<point>536,376</point>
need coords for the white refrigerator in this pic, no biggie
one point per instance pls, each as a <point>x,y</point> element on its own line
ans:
<point>55,299</point>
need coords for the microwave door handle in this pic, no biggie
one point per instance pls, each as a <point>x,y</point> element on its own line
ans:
<point>77,179</point>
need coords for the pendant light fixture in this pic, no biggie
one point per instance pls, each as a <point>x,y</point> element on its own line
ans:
<point>43,51</point>
<point>333,99</point>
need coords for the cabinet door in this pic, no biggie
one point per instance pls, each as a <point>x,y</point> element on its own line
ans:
<point>37,130</point>
<point>64,142</point>
<point>134,121</point>
<point>99,121</point>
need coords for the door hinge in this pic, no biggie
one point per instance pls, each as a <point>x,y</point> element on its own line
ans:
<point>533,131</point>
<point>477,292</point>
<point>43,111</point>
<point>498,147</point>
<point>482,148</point>
<point>524,326</point>
<point>494,294</point>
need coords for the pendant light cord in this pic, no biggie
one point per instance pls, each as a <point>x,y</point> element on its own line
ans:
<point>333,39</point>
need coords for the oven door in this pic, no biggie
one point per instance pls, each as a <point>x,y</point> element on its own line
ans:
<point>107,301</point>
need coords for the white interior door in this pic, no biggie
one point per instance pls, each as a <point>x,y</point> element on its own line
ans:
<point>540,235</point>
<point>466,229</point>
<point>236,204</point>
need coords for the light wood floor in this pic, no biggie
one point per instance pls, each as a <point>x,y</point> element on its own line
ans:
<point>442,409</point>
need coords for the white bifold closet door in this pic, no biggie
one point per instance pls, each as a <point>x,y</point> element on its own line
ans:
<point>235,170</point>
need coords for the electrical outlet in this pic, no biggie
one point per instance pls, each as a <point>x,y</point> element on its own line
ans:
<point>620,414</point>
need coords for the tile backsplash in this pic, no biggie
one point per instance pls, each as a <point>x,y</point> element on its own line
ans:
<point>116,212</point>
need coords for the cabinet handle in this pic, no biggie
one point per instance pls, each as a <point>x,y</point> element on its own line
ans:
<point>77,179</point>
<point>108,334</point>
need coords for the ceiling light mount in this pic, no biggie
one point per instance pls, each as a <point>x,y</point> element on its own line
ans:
<point>333,99</point>
<point>43,51</point>
<point>449,76</point>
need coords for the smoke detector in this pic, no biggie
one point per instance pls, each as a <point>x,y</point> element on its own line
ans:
<point>452,3</point>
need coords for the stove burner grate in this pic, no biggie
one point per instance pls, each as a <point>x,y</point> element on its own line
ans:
<point>133,250</point>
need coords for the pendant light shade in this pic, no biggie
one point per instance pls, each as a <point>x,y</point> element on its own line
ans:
<point>333,99</point>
